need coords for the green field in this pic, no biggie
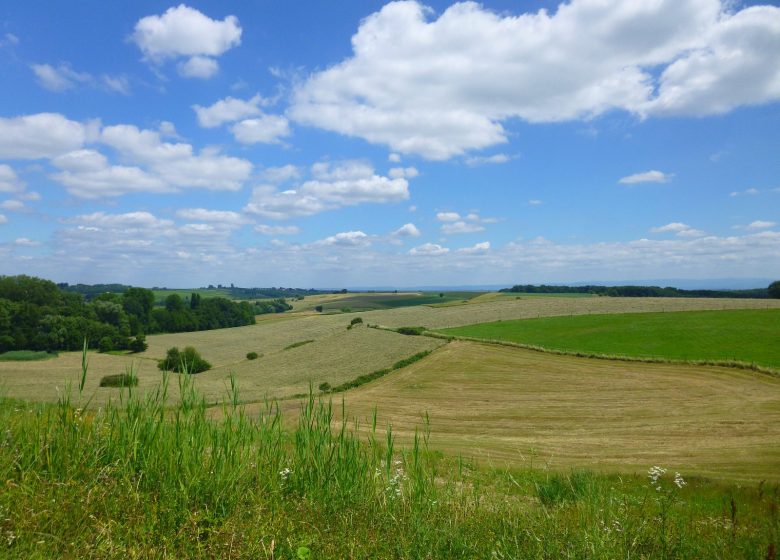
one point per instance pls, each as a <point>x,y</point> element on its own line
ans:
<point>26,356</point>
<point>741,335</point>
<point>390,300</point>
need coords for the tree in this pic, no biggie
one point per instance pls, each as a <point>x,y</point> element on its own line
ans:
<point>774,289</point>
<point>188,360</point>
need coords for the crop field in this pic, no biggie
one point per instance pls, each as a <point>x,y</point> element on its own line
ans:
<point>740,335</point>
<point>387,300</point>
<point>517,407</point>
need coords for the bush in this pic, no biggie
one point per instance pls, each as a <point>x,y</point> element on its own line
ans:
<point>356,321</point>
<point>251,356</point>
<point>106,344</point>
<point>325,387</point>
<point>185,361</point>
<point>411,331</point>
<point>119,380</point>
<point>138,344</point>
<point>318,309</point>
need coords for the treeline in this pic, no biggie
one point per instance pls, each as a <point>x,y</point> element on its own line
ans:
<point>254,293</point>
<point>35,314</point>
<point>636,291</point>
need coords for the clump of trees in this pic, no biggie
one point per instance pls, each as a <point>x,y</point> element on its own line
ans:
<point>36,314</point>
<point>635,291</point>
<point>774,289</point>
<point>188,360</point>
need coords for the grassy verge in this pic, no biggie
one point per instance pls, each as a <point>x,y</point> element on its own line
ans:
<point>136,479</point>
<point>26,356</point>
<point>735,337</point>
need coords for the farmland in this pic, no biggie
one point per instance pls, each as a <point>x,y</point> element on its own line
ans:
<point>739,335</point>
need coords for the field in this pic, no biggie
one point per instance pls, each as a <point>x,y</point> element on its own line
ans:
<point>491,451</point>
<point>739,335</point>
<point>386,300</point>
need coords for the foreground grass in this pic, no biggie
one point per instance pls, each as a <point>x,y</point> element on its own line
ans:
<point>735,335</point>
<point>137,480</point>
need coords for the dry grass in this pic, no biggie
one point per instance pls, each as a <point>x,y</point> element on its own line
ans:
<point>501,309</point>
<point>520,407</point>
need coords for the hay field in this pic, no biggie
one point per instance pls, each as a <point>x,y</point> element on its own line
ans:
<point>337,355</point>
<point>519,407</point>
<point>530,307</point>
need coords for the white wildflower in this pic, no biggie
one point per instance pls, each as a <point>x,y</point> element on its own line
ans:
<point>679,480</point>
<point>285,473</point>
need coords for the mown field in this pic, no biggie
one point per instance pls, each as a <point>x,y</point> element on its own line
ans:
<point>739,335</point>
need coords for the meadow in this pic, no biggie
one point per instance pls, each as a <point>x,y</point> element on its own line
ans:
<point>734,335</point>
<point>430,449</point>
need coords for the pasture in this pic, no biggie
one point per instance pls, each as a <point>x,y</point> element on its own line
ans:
<point>733,335</point>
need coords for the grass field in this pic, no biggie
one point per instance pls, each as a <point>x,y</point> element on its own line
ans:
<point>26,356</point>
<point>749,336</point>
<point>511,406</point>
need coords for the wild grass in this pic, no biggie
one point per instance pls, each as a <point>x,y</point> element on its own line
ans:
<point>734,336</point>
<point>26,356</point>
<point>137,479</point>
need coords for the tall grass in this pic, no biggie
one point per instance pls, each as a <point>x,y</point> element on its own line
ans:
<point>146,477</point>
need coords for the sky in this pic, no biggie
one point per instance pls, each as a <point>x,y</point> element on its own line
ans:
<point>361,143</point>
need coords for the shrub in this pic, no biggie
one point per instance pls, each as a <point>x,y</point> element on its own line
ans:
<point>138,344</point>
<point>318,309</point>
<point>119,380</point>
<point>106,344</point>
<point>325,387</point>
<point>251,356</point>
<point>356,321</point>
<point>296,344</point>
<point>411,331</point>
<point>185,361</point>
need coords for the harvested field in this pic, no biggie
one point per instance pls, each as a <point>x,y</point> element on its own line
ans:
<point>519,407</point>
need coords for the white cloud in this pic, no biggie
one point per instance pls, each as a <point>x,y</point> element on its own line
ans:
<point>761,224</point>
<point>478,249</point>
<point>482,160</point>
<point>442,86</point>
<point>184,32</point>
<point>461,227</point>
<point>646,177</point>
<point>118,84</point>
<point>266,129</point>
<point>277,230</point>
<point>406,230</point>
<point>42,135</point>
<point>61,78</point>
<point>9,181</point>
<point>333,185</point>
<point>403,172</point>
<point>394,158</point>
<point>224,218</point>
<point>280,174</point>
<point>13,205</point>
<point>24,242</point>
<point>345,239</point>
<point>747,192</point>
<point>678,228</point>
<point>447,216</point>
<point>228,110</point>
<point>130,221</point>
<point>201,67</point>
<point>429,249</point>
<point>176,164</point>
<point>3,219</point>
<point>535,202</point>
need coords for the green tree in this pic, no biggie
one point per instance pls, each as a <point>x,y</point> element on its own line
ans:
<point>774,289</point>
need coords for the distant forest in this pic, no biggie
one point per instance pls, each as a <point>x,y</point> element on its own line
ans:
<point>637,291</point>
<point>37,314</point>
<point>90,291</point>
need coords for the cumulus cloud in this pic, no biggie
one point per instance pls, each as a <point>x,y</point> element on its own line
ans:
<point>127,222</point>
<point>281,174</point>
<point>9,180</point>
<point>332,185</point>
<point>266,229</point>
<point>42,135</point>
<point>403,172</point>
<point>225,218</point>
<point>406,230</point>
<point>678,228</point>
<point>442,86</point>
<point>13,205</point>
<point>345,239</point>
<point>478,249</point>
<point>185,33</point>
<point>475,161</point>
<point>266,129</point>
<point>429,249</point>
<point>447,216</point>
<point>461,227</point>
<point>228,110</point>
<point>761,224</point>
<point>646,177</point>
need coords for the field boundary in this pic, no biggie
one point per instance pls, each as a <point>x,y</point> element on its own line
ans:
<point>737,364</point>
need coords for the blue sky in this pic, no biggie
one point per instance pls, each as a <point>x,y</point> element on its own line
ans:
<point>358,143</point>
